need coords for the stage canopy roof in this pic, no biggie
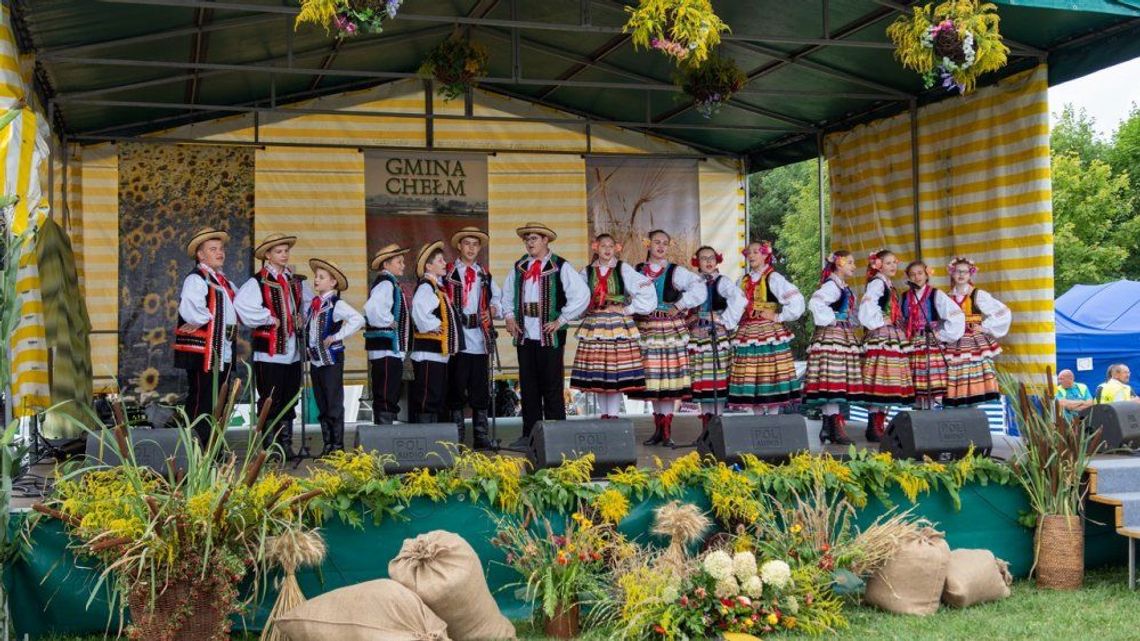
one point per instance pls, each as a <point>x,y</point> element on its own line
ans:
<point>119,68</point>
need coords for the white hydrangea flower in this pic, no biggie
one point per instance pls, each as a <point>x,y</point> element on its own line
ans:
<point>776,573</point>
<point>719,565</point>
<point>726,588</point>
<point>753,587</point>
<point>744,566</point>
<point>791,605</point>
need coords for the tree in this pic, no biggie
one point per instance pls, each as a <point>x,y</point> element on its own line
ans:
<point>1075,132</point>
<point>770,195</point>
<point>1124,156</point>
<point>797,244</point>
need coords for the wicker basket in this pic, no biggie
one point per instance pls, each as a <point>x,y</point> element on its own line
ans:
<point>564,623</point>
<point>185,610</point>
<point>1060,552</point>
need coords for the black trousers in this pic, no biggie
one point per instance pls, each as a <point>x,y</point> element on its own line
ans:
<point>278,384</point>
<point>540,377</point>
<point>467,381</point>
<point>328,391</point>
<point>386,374</point>
<point>425,399</point>
<point>202,394</point>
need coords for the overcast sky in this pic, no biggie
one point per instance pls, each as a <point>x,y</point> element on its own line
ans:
<point>1106,95</point>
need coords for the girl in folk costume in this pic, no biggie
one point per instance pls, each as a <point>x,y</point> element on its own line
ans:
<point>886,365</point>
<point>329,321</point>
<point>710,326</point>
<point>436,335</point>
<point>665,335</point>
<point>970,374</point>
<point>388,333</point>
<point>931,320</point>
<point>763,372</point>
<point>608,360</point>
<point>834,364</point>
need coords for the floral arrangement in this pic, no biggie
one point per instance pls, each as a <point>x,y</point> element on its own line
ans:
<point>348,17</point>
<point>712,83</point>
<point>685,30</point>
<point>455,63</point>
<point>952,43</point>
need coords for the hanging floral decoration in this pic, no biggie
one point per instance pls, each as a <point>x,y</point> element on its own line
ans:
<point>712,83</point>
<point>952,43</point>
<point>455,63</point>
<point>348,17</point>
<point>685,30</point>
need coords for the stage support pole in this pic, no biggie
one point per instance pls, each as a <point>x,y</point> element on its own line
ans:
<point>914,192</point>
<point>819,196</point>
<point>743,164</point>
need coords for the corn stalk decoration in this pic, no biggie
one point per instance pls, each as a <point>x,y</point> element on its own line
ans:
<point>952,43</point>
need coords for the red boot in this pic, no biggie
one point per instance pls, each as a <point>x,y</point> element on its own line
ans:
<point>876,427</point>
<point>667,431</point>
<point>658,422</point>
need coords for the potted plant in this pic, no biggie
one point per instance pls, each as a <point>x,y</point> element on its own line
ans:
<point>1051,467</point>
<point>952,43</point>
<point>348,17</point>
<point>684,30</point>
<point>712,83</point>
<point>455,63</point>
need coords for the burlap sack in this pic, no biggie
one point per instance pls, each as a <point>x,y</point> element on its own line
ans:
<point>446,573</point>
<point>911,582</point>
<point>380,610</point>
<point>975,576</point>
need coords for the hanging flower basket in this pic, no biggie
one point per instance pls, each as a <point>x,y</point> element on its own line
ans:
<point>348,17</point>
<point>685,30</point>
<point>952,43</point>
<point>712,83</point>
<point>455,64</point>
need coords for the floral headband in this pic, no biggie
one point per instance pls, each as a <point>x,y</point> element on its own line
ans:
<point>961,260</point>
<point>832,259</point>
<point>696,262</point>
<point>617,247</point>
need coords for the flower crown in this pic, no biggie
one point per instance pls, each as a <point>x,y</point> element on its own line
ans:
<point>696,262</point>
<point>957,260</point>
<point>594,247</point>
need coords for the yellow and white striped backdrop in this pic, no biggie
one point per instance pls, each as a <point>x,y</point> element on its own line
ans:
<point>984,192</point>
<point>722,190</point>
<point>97,257</point>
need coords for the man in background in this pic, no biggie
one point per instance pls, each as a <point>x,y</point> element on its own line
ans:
<point>1073,397</point>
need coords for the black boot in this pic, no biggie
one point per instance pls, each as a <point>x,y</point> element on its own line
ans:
<point>383,418</point>
<point>285,439</point>
<point>658,431</point>
<point>326,440</point>
<point>837,431</point>
<point>479,423</point>
<point>337,438</point>
<point>425,418</point>
<point>826,427</point>
<point>460,425</point>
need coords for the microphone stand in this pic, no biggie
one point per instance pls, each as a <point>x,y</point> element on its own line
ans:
<point>306,384</point>
<point>492,362</point>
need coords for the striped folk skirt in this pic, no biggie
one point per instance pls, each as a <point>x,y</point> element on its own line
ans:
<point>709,369</point>
<point>928,368</point>
<point>970,375</point>
<point>609,354</point>
<point>834,366</point>
<point>763,371</point>
<point>665,353</point>
<point>886,368</point>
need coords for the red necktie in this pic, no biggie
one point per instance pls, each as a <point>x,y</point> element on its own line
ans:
<point>468,283</point>
<point>287,294</point>
<point>315,306</point>
<point>224,283</point>
<point>535,270</point>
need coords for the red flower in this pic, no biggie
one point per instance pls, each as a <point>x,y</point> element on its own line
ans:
<point>684,599</point>
<point>727,603</point>
<point>825,548</point>
<point>701,593</point>
<point>658,629</point>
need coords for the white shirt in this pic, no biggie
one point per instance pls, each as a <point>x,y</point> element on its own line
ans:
<point>735,302</point>
<point>424,303</point>
<point>642,295</point>
<point>821,301</point>
<point>870,314</point>
<point>997,316</point>
<point>575,287</point>
<point>691,286</point>
<point>791,300</point>
<point>473,341</point>
<point>194,311</point>
<point>251,309</point>
<point>378,312</point>
<point>953,320</point>
<point>350,319</point>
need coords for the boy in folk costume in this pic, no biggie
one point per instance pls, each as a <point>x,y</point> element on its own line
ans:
<point>271,303</point>
<point>834,364</point>
<point>710,328</point>
<point>931,320</point>
<point>541,295</point>
<point>665,335</point>
<point>388,333</point>
<point>763,371</point>
<point>886,365</point>
<point>608,360</point>
<point>207,323</point>
<point>477,299</point>
<point>436,335</point>
<point>328,323</point>
<point>970,375</point>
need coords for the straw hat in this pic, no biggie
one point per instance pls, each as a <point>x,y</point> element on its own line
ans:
<point>204,234</point>
<point>536,228</point>
<point>468,232</point>
<point>422,257</point>
<point>341,279</point>
<point>391,250</point>
<point>271,241</point>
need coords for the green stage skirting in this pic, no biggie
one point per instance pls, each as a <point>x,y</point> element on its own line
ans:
<point>49,590</point>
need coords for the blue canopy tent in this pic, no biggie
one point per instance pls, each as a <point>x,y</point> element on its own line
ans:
<point>1098,325</point>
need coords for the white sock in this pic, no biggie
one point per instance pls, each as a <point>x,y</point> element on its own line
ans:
<point>610,403</point>
<point>830,408</point>
<point>663,407</point>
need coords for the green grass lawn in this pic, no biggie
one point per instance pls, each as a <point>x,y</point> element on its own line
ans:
<point>1103,610</point>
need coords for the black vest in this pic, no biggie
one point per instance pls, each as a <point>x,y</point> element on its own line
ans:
<point>669,294</point>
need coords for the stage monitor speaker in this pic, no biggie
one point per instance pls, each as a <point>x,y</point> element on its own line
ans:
<point>414,445</point>
<point>152,447</point>
<point>769,438</point>
<point>1119,423</point>
<point>612,442</point>
<point>942,435</point>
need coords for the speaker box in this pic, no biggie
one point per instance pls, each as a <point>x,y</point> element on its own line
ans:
<point>414,445</point>
<point>770,438</point>
<point>152,448</point>
<point>1119,423</point>
<point>943,435</point>
<point>612,442</point>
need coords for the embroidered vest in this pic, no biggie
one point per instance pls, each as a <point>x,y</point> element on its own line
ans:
<point>760,297</point>
<point>969,305</point>
<point>714,302</point>
<point>449,339</point>
<point>614,293</point>
<point>919,313</point>
<point>454,289</point>
<point>842,307</point>
<point>667,292</point>
<point>889,303</point>
<point>326,326</point>
<point>271,339</point>
<point>202,347</point>
<point>552,297</point>
<point>396,337</point>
